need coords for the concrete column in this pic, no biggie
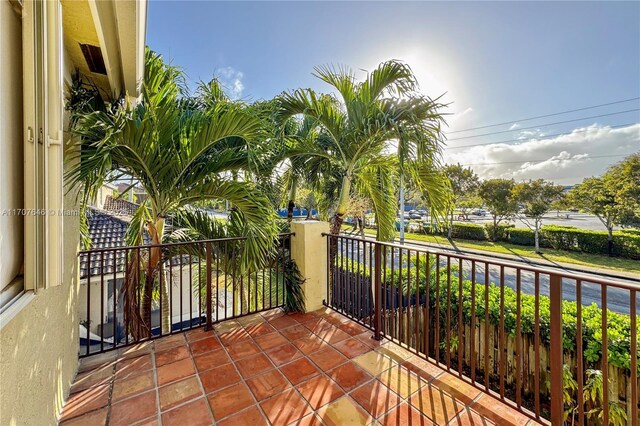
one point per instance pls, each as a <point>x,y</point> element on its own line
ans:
<point>309,251</point>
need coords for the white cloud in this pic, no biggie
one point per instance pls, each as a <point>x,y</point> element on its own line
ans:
<point>565,159</point>
<point>458,115</point>
<point>514,126</point>
<point>231,79</point>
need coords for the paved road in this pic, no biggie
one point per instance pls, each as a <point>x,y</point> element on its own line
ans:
<point>617,299</point>
<point>562,218</point>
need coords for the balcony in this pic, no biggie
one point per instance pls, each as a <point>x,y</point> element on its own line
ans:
<point>274,368</point>
<point>393,334</point>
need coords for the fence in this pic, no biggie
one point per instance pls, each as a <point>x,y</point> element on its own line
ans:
<point>556,346</point>
<point>133,294</point>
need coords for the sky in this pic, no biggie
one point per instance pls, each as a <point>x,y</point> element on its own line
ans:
<point>494,62</point>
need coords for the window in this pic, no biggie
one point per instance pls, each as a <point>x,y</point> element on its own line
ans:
<point>43,107</point>
<point>11,155</point>
<point>31,110</point>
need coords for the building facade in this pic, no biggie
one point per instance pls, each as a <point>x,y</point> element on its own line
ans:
<point>43,43</point>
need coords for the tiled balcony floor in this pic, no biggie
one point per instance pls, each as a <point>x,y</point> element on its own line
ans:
<point>272,368</point>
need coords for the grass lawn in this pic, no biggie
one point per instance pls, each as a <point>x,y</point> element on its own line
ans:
<point>593,260</point>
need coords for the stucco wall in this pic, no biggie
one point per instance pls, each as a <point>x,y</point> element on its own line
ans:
<point>309,251</point>
<point>39,345</point>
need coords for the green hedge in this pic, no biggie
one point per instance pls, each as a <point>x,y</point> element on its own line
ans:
<point>521,236</point>
<point>466,231</point>
<point>502,232</point>
<point>625,244</point>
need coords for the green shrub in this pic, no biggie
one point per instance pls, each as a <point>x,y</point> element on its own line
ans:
<point>502,230</point>
<point>568,238</point>
<point>521,236</point>
<point>468,231</point>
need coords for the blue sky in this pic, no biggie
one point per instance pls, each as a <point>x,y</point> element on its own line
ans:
<point>496,61</point>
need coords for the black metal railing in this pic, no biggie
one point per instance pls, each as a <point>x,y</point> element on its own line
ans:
<point>540,339</point>
<point>132,294</point>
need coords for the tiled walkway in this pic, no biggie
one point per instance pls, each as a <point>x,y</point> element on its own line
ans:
<point>272,368</point>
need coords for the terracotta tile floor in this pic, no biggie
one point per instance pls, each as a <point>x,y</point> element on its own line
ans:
<point>272,368</point>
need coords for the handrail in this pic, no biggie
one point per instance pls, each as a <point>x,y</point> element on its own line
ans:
<point>178,243</point>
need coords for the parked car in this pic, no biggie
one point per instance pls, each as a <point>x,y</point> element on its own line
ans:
<point>479,212</point>
<point>415,215</point>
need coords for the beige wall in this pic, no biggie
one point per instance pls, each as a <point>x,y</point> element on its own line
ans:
<point>10,142</point>
<point>309,251</point>
<point>39,345</point>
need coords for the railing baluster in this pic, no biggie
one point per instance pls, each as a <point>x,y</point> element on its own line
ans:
<point>518,341</point>
<point>579,356</point>
<point>125,314</point>
<point>460,307</point>
<point>472,341</point>
<point>486,326</point>
<point>208,286</point>
<point>88,326</point>
<point>436,344</point>
<point>102,301</point>
<point>605,359</point>
<point>170,292</point>
<point>417,305</point>
<point>190,291</point>
<point>394,306</point>
<point>181,315</point>
<point>536,345</point>
<point>378,290</point>
<point>555,354</point>
<point>502,362</point>
<point>115,299</point>
<point>448,335</point>
<point>407,330</point>
<point>634,359</point>
<point>427,322</point>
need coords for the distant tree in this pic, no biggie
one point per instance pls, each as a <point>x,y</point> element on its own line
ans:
<point>613,198</point>
<point>496,194</point>
<point>538,197</point>
<point>464,185</point>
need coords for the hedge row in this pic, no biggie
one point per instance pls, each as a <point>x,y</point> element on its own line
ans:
<point>626,243</point>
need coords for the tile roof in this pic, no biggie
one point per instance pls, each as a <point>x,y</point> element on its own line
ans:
<point>120,206</point>
<point>106,231</point>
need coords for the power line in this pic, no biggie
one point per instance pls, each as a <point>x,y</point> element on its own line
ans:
<point>547,124</point>
<point>541,137</point>
<point>546,115</point>
<point>542,161</point>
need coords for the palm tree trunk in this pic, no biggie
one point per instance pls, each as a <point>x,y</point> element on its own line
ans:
<point>156,230</point>
<point>292,196</point>
<point>341,209</point>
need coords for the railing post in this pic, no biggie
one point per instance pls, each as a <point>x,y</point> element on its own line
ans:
<point>556,354</point>
<point>208,287</point>
<point>377,327</point>
<point>309,252</point>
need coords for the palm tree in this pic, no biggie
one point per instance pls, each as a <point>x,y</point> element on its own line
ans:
<point>359,129</point>
<point>180,150</point>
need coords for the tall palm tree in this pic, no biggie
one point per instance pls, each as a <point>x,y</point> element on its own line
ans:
<point>362,124</point>
<point>180,150</point>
